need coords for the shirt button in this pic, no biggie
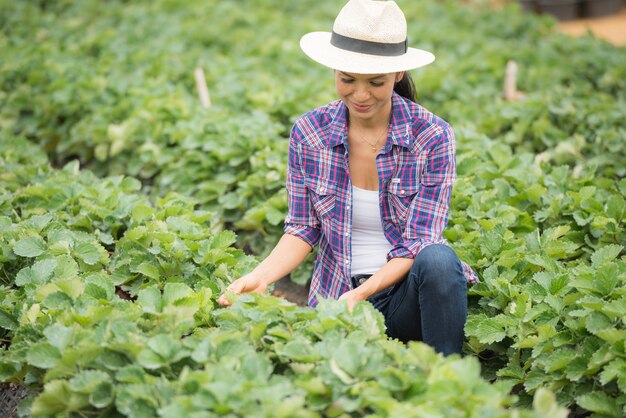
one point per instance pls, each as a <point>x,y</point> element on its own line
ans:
<point>348,207</point>
<point>347,234</point>
<point>347,261</point>
<point>322,189</point>
<point>401,191</point>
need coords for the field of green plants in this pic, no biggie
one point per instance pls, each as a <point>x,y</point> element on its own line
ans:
<point>126,208</point>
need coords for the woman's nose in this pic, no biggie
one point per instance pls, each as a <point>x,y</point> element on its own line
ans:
<point>361,93</point>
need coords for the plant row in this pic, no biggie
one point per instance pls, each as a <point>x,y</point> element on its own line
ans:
<point>108,307</point>
<point>538,209</point>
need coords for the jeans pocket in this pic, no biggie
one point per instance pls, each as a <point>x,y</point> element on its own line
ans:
<point>381,299</point>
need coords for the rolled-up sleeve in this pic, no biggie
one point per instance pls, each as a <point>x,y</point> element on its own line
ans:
<point>428,213</point>
<point>301,220</point>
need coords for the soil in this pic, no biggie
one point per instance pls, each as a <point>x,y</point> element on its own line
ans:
<point>291,291</point>
<point>610,28</point>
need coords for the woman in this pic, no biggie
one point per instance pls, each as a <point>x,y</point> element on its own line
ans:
<point>369,180</point>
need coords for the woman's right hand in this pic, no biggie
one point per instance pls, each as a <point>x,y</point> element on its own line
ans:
<point>250,283</point>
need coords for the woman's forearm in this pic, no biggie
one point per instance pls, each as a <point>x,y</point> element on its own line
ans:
<point>288,253</point>
<point>391,273</point>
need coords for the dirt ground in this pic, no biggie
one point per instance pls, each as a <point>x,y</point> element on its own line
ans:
<point>611,28</point>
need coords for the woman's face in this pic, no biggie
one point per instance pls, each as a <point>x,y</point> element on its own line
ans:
<point>367,95</point>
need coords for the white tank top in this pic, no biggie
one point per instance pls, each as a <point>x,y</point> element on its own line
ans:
<point>369,245</point>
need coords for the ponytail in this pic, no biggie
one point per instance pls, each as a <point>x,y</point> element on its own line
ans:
<point>406,88</point>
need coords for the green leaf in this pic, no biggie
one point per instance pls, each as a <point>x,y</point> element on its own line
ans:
<point>600,403</point>
<point>66,268</point>
<point>545,404</point>
<point>606,279</point>
<point>37,222</point>
<point>7,321</point>
<point>616,369</point>
<point>102,395</point>
<point>87,380</point>
<point>612,335</point>
<point>142,212</point>
<point>87,252</point>
<point>486,329</point>
<point>606,254</point>
<point>150,300</point>
<point>43,355</point>
<point>58,335</point>
<point>174,292</point>
<point>30,247</point>
<point>149,270</point>
<point>597,321</point>
<point>57,398</point>
<point>223,239</point>
<point>57,300</point>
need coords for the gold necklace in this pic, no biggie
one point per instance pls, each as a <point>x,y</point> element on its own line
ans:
<point>375,145</point>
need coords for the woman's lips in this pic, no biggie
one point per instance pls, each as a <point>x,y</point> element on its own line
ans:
<point>361,108</point>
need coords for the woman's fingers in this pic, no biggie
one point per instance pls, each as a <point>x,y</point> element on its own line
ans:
<point>238,287</point>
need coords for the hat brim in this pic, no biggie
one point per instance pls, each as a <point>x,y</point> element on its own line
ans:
<point>317,46</point>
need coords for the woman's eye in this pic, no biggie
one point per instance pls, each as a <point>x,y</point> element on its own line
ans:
<point>377,83</point>
<point>347,80</point>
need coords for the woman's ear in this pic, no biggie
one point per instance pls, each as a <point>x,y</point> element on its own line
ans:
<point>399,76</point>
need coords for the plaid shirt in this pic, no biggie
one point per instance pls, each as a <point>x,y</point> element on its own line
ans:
<point>416,171</point>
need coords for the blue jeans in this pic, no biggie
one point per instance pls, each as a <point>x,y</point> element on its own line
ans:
<point>430,305</point>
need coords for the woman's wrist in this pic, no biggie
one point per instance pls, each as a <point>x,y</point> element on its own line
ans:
<point>363,292</point>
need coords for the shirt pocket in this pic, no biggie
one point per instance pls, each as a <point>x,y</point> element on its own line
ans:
<point>401,196</point>
<point>323,196</point>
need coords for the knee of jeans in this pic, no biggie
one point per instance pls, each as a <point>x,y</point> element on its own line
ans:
<point>437,265</point>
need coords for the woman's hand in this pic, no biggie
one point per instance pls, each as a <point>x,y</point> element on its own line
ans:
<point>352,296</point>
<point>250,283</point>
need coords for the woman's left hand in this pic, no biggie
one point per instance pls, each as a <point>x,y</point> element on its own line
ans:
<point>352,297</point>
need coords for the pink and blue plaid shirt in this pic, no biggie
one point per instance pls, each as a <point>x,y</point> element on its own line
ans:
<point>416,171</point>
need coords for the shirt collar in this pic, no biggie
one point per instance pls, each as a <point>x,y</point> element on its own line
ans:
<point>400,123</point>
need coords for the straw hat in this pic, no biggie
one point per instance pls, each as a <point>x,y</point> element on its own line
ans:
<point>368,37</point>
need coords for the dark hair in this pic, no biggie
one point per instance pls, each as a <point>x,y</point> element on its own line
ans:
<point>406,88</point>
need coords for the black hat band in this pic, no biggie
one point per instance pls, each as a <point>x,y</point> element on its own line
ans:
<point>369,47</point>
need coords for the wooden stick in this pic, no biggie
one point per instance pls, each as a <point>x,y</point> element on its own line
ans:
<point>203,90</point>
<point>510,81</point>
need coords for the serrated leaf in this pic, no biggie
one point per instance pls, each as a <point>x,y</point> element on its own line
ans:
<point>223,239</point>
<point>558,360</point>
<point>612,335</point>
<point>597,321</point>
<point>37,222</point>
<point>600,403</point>
<point>338,371</point>
<point>150,300</point>
<point>57,300</point>
<point>485,329</point>
<point>57,398</point>
<point>30,247</point>
<point>87,380</point>
<point>142,212</point>
<point>149,270</point>
<point>42,270</point>
<point>174,292</point>
<point>605,255</point>
<point>102,395</point>
<point>7,321</point>
<point>58,335</point>
<point>87,252</point>
<point>606,279</point>
<point>43,355</point>
<point>66,267</point>
<point>544,402</point>
<point>616,369</point>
